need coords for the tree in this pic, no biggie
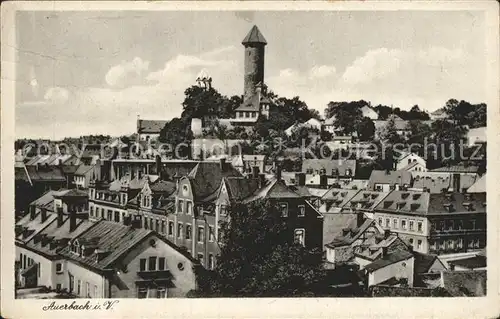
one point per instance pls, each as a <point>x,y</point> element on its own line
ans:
<point>419,134</point>
<point>366,129</point>
<point>258,257</point>
<point>177,133</point>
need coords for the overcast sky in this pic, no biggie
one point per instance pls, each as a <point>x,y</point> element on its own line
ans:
<point>94,72</point>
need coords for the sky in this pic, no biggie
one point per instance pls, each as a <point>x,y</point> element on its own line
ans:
<point>92,72</point>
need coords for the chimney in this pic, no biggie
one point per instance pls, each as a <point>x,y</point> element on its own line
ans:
<point>222,163</point>
<point>32,212</point>
<point>387,233</point>
<point>360,219</point>
<point>456,182</point>
<point>43,214</point>
<point>262,180</point>
<point>158,165</point>
<point>127,221</point>
<point>278,172</point>
<point>255,171</point>
<point>72,221</point>
<point>384,252</point>
<point>59,216</point>
<point>300,179</point>
<point>323,181</point>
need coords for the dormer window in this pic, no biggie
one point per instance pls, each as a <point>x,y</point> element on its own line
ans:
<point>401,205</point>
<point>416,196</point>
<point>404,195</point>
<point>448,207</point>
<point>388,204</point>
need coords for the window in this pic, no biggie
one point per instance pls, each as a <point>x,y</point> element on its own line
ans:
<point>117,217</point>
<point>419,244</point>
<point>419,227</point>
<point>161,263</point>
<point>284,209</point>
<point>92,211</point>
<point>411,224</point>
<point>411,241</point>
<point>170,228</point>
<point>460,243</point>
<point>146,224</point>
<point>211,261</point>
<point>110,215</point>
<point>59,268</point>
<point>163,223</point>
<point>223,210</point>
<point>161,292</point>
<point>211,234</point>
<point>58,287</point>
<point>473,224</point>
<point>299,236</point>
<point>219,235</point>
<point>380,221</point>
<point>179,230</point>
<point>152,263</point>
<point>142,264</point>
<point>302,211</point>
<point>87,289</point>
<point>151,224</point>
<point>189,208</point>
<point>200,258</point>
<point>387,222</point>
<point>95,291</point>
<point>403,224</point>
<point>39,267</point>
<point>79,287</point>
<point>395,223</point>
<point>97,212</point>
<point>180,203</point>
<point>142,293</point>
<point>188,231</point>
<point>157,225</point>
<point>201,234</point>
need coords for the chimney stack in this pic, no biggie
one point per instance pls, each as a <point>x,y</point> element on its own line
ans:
<point>300,179</point>
<point>72,221</point>
<point>255,171</point>
<point>222,163</point>
<point>59,216</point>
<point>278,172</point>
<point>262,180</point>
<point>158,165</point>
<point>32,212</point>
<point>44,215</point>
<point>384,251</point>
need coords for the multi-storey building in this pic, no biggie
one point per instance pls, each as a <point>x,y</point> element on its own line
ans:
<point>436,223</point>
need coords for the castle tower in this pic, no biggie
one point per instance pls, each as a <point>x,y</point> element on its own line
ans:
<point>254,44</point>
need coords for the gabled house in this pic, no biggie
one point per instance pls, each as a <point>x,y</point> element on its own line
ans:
<point>113,260</point>
<point>149,129</point>
<point>409,161</point>
<point>325,172</point>
<point>389,180</point>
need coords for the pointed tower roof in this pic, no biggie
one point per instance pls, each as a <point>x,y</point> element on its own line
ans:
<point>254,36</point>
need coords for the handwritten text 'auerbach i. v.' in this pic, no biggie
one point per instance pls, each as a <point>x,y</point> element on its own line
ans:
<point>106,305</point>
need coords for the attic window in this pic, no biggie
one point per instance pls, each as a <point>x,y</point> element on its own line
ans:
<point>414,206</point>
<point>401,205</point>
<point>374,196</point>
<point>448,206</point>
<point>388,203</point>
<point>468,206</point>
<point>343,194</point>
<point>416,196</point>
<point>366,195</point>
<point>404,195</point>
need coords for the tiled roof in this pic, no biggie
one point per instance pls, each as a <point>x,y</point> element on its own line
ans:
<point>254,36</point>
<point>389,259</point>
<point>273,189</point>
<point>457,200</point>
<point>469,283</point>
<point>150,126</point>
<point>240,188</point>
<point>423,262</point>
<point>113,238</point>
<point>435,183</point>
<point>471,262</point>
<point>330,165</point>
<point>83,169</point>
<point>336,198</point>
<point>69,169</point>
<point>251,104</point>
<point>407,202</point>
<point>35,226</point>
<point>71,193</point>
<point>353,234</point>
<point>59,233</point>
<point>206,177</point>
<point>389,177</point>
<point>47,197</point>
<point>366,200</point>
<point>164,187</point>
<point>51,173</point>
<point>457,169</point>
<point>306,191</point>
<point>372,247</point>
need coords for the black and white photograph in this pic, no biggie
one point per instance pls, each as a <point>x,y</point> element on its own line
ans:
<point>226,153</point>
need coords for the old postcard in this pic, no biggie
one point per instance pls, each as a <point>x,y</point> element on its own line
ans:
<point>250,159</point>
